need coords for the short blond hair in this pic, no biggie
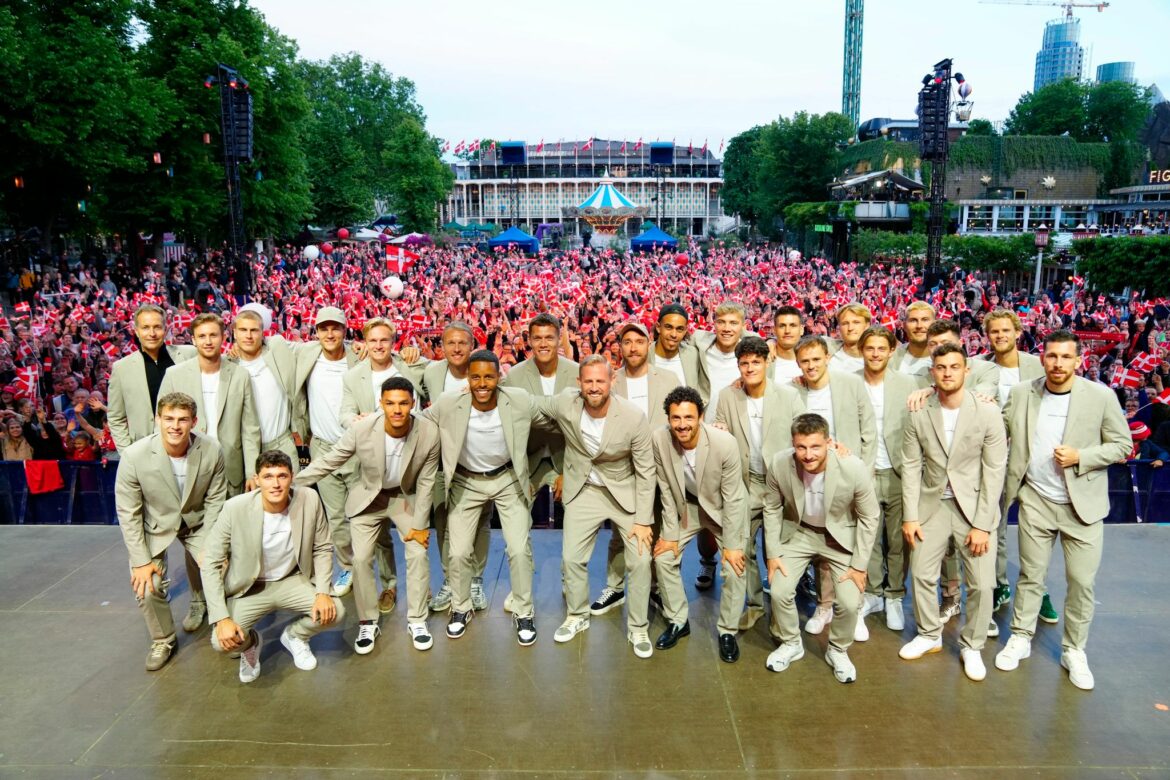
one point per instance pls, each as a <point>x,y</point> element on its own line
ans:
<point>731,307</point>
<point>919,305</point>
<point>858,309</point>
<point>1002,314</point>
<point>378,322</point>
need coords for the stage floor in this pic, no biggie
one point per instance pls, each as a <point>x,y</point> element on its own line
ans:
<point>76,702</point>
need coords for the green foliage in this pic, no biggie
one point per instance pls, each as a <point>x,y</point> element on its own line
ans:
<point>1111,264</point>
<point>879,245</point>
<point>802,216</point>
<point>416,178</point>
<point>919,214</point>
<point>1059,107</point>
<point>739,190</point>
<point>980,127</point>
<point>879,154</point>
<point>973,253</point>
<point>1043,152</point>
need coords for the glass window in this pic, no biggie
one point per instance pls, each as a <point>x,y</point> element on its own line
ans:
<point>1011,219</point>
<point>978,219</point>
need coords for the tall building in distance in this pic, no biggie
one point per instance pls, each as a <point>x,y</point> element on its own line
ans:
<point>1061,55</point>
<point>1116,71</point>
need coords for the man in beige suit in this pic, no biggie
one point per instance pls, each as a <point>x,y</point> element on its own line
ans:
<point>270,551</point>
<point>170,485</point>
<point>671,351</point>
<point>272,370</point>
<point>953,456</point>
<point>701,484</point>
<point>609,475</point>
<point>1065,432</point>
<point>887,391</point>
<point>759,415</point>
<point>449,375</point>
<point>819,506</point>
<point>645,386</point>
<point>135,380</point>
<point>397,458</point>
<point>484,439</point>
<point>913,357</point>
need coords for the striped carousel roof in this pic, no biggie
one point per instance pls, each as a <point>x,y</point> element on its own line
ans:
<point>607,196</point>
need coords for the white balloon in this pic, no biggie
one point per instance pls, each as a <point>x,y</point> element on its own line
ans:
<point>312,252</point>
<point>392,287</point>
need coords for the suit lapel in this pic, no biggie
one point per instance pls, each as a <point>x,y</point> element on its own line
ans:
<point>463,417</point>
<point>742,404</point>
<point>194,457</point>
<point>225,384</point>
<point>966,420</point>
<point>296,521</point>
<point>797,482</point>
<point>680,482</point>
<point>1033,411</point>
<point>365,377</point>
<point>255,530</point>
<point>934,412</point>
<point>832,476</point>
<point>565,376</point>
<point>613,416</point>
<point>504,404</point>
<point>701,452</point>
<point>162,462</point>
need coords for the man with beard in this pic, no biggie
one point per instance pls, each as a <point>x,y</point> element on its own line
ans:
<point>913,357</point>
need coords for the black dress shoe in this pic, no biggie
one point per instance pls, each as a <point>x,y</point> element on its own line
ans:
<point>672,634</point>
<point>728,648</point>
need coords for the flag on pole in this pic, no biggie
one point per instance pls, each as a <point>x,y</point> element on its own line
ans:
<point>638,145</point>
<point>1126,378</point>
<point>22,309</point>
<point>720,146</point>
<point>703,153</point>
<point>474,146</point>
<point>459,147</point>
<point>1144,362</point>
<point>690,148</point>
<point>588,145</point>
<point>623,149</point>
<point>1162,397</point>
<point>540,146</point>
<point>446,146</point>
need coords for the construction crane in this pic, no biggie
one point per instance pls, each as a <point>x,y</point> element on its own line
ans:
<point>851,72</point>
<point>1067,6</point>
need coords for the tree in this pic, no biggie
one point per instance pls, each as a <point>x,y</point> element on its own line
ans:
<point>980,127</point>
<point>1054,109</point>
<point>1112,264</point>
<point>417,180</point>
<point>738,193</point>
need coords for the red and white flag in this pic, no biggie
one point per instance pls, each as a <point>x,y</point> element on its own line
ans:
<point>622,150</point>
<point>1162,397</point>
<point>22,309</point>
<point>720,146</point>
<point>638,145</point>
<point>459,147</point>
<point>540,146</point>
<point>112,351</point>
<point>474,146</point>
<point>1126,378</point>
<point>1144,362</point>
<point>588,145</point>
<point>703,153</point>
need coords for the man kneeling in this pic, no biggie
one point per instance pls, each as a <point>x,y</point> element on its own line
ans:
<point>270,541</point>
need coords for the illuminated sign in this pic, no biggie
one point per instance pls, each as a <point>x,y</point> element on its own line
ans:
<point>1160,177</point>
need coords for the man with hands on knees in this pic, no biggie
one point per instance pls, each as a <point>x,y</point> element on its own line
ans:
<point>819,505</point>
<point>270,550</point>
<point>701,484</point>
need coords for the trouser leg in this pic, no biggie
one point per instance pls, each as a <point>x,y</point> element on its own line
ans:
<point>615,560</point>
<point>979,575</point>
<point>1083,545</point>
<point>734,585</point>
<point>418,570</point>
<point>333,490</point>
<point>516,525</point>
<point>638,565</point>
<point>1037,535</point>
<point>466,502</point>
<point>156,606</point>
<point>848,598</point>
<point>296,594</point>
<point>950,573</point>
<point>584,515</point>
<point>888,563</point>
<point>795,554</point>
<point>670,585</point>
<point>754,581</point>
<point>925,564</point>
<point>365,530</point>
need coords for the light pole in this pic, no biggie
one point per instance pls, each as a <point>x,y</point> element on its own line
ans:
<point>1041,242</point>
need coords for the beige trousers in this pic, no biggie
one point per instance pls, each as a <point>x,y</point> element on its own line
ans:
<point>806,546</point>
<point>367,530</point>
<point>294,593</point>
<point>674,598</point>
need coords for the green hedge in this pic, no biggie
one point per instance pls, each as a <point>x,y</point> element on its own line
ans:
<point>1111,264</point>
<point>973,253</point>
<point>971,151</point>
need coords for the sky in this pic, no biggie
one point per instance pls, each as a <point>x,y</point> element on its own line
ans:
<point>697,71</point>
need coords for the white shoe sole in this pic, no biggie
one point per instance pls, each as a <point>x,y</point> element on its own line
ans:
<point>929,651</point>
<point>784,668</point>
<point>305,666</point>
<point>561,637</point>
<point>609,608</point>
<point>845,676</point>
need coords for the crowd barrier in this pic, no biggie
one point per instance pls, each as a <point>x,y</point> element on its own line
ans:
<point>1138,493</point>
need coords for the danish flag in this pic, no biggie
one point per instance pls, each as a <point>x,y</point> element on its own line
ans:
<point>1126,378</point>
<point>587,146</point>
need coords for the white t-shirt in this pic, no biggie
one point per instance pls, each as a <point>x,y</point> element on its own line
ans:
<point>638,392</point>
<point>912,366</point>
<point>843,361</point>
<point>690,483</point>
<point>325,388</point>
<point>755,410</point>
<point>453,385</point>
<point>484,447</point>
<point>722,370</point>
<point>209,408</point>
<point>179,469</point>
<point>950,418</point>
<point>376,380</point>
<point>785,370</point>
<point>821,402</point>
<point>673,365</point>
<point>548,384</point>
<point>1044,475</point>
<point>393,476</point>
<point>1008,378</point>
<point>877,399</point>
<point>277,557</point>
<point>271,402</point>
<point>592,429</point>
<point>814,498</point>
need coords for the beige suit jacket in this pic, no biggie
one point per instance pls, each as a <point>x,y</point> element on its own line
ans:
<point>659,383</point>
<point>232,555</point>
<point>896,388</point>
<point>128,405</point>
<point>781,404</point>
<point>451,412</point>
<point>1031,367</point>
<point>237,429</point>
<point>690,361</point>
<point>722,495</point>
<point>357,396</point>
<point>983,377</point>
<point>852,514</point>
<point>146,496</point>
<point>1096,427</point>
<point>625,460</point>
<point>853,421</point>
<point>525,376</point>
<point>306,355</point>
<point>366,439</point>
<point>974,464</point>
<point>434,378</point>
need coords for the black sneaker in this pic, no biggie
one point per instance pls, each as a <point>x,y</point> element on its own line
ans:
<point>609,598</point>
<point>706,577</point>
<point>525,631</point>
<point>457,625</point>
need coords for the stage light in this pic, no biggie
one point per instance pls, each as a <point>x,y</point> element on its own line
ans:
<point>18,182</point>
<point>157,158</point>
<point>210,81</point>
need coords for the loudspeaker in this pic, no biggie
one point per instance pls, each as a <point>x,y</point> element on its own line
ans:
<point>241,129</point>
<point>513,153</point>
<point>662,153</point>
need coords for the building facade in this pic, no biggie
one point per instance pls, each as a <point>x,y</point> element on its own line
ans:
<point>1061,55</point>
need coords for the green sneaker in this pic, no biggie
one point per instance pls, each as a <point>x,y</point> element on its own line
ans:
<point>1047,613</point>
<point>1003,594</point>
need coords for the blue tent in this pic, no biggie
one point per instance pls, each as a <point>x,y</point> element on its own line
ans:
<point>515,235</point>
<point>653,237</point>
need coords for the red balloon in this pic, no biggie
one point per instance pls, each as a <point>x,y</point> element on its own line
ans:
<point>681,259</point>
<point>343,233</point>
<point>327,248</point>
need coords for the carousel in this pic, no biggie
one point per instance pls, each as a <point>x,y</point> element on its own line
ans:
<point>605,211</point>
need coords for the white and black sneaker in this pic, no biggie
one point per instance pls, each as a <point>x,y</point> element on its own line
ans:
<point>250,660</point>
<point>367,634</point>
<point>420,636</point>
<point>457,625</point>
<point>525,630</point>
<point>609,599</point>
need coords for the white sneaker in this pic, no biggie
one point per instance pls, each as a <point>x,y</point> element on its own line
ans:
<point>843,668</point>
<point>250,661</point>
<point>784,655</point>
<point>420,636</point>
<point>641,642</point>
<point>441,601</point>
<point>509,603</point>
<point>1017,649</point>
<point>302,655</point>
<point>1078,668</point>
<point>895,619</point>
<point>860,631</point>
<point>948,610</point>
<point>918,647</point>
<point>993,629</point>
<point>973,664</point>
<point>478,596</point>
<point>367,634</point>
<point>343,584</point>
<point>821,617</point>
<point>871,605</point>
<point>570,628</point>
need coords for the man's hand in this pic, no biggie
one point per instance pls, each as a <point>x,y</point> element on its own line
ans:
<point>976,542</point>
<point>229,635</point>
<point>663,546</point>
<point>558,487</point>
<point>645,536</point>
<point>250,485</point>
<point>856,576</point>
<point>234,351</point>
<point>410,355</point>
<point>1066,456</point>
<point>1157,464</point>
<point>324,610</point>
<point>142,577</point>
<point>358,348</point>
<point>737,560</point>
<point>985,398</point>
<point>918,398</point>
<point>719,426</point>
<point>776,565</point>
<point>420,535</point>
<point>842,450</point>
<point>912,531</point>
